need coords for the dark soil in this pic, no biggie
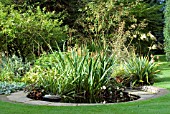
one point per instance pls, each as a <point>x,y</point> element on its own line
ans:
<point>118,96</point>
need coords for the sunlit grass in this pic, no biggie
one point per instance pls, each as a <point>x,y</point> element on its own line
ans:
<point>163,79</point>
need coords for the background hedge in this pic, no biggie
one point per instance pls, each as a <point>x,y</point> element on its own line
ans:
<point>167,29</point>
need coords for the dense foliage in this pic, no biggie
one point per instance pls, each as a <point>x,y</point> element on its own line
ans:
<point>12,68</point>
<point>140,71</point>
<point>167,29</point>
<point>6,2</point>
<point>100,22</point>
<point>8,88</point>
<point>103,22</point>
<point>75,77</point>
<point>137,71</point>
<point>69,7</point>
<point>29,33</point>
<point>110,32</point>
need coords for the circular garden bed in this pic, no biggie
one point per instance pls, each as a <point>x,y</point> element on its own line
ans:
<point>117,96</point>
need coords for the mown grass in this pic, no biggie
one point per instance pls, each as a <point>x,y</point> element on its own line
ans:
<point>163,80</point>
<point>153,106</point>
<point>159,105</point>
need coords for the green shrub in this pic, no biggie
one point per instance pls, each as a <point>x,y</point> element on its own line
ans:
<point>99,23</point>
<point>108,23</point>
<point>75,77</point>
<point>140,71</point>
<point>6,2</point>
<point>167,29</point>
<point>29,33</point>
<point>12,68</point>
<point>67,6</point>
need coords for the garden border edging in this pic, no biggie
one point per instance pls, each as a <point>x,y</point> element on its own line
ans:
<point>145,92</point>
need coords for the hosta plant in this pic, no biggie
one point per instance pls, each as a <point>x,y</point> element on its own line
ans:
<point>140,71</point>
<point>8,88</point>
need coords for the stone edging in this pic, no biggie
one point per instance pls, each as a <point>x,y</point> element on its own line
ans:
<point>146,92</point>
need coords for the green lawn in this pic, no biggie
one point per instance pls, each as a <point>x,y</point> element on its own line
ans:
<point>163,79</point>
<point>159,105</point>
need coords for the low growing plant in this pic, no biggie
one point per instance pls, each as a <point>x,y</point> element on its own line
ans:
<point>75,77</point>
<point>140,71</point>
<point>12,68</point>
<point>8,88</point>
